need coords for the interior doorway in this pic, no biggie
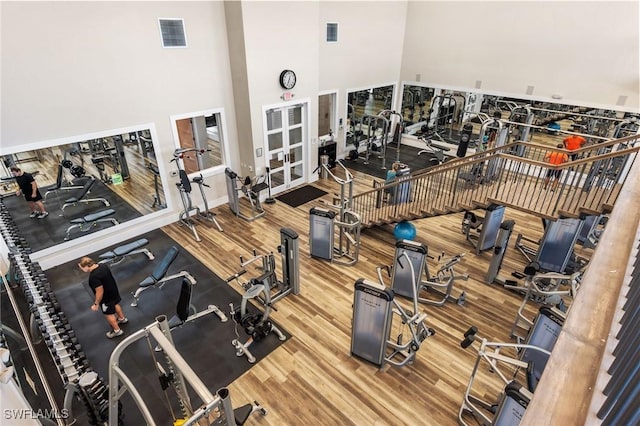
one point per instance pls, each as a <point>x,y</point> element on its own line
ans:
<point>286,142</point>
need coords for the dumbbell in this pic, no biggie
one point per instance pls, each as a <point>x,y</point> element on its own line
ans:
<point>74,357</point>
<point>469,337</point>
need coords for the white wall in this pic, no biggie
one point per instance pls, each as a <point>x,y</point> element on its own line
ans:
<point>72,68</point>
<point>278,36</point>
<point>369,48</point>
<point>585,51</point>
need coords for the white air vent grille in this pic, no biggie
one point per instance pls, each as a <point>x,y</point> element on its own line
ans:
<point>332,32</point>
<point>173,34</point>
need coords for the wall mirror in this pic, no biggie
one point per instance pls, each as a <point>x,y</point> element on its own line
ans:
<point>87,186</point>
<point>362,107</point>
<point>440,114</point>
<point>204,132</point>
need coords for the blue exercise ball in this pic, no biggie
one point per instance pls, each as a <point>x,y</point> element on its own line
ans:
<point>404,231</point>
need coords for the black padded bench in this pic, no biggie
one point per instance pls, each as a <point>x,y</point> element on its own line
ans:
<point>79,196</point>
<point>119,253</point>
<point>89,221</point>
<point>159,274</point>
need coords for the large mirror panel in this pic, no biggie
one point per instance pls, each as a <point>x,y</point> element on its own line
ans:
<point>444,116</point>
<point>83,186</point>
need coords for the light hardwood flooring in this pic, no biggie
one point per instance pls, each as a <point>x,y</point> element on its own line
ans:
<point>312,378</point>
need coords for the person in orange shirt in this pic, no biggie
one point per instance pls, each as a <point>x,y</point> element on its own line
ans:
<point>556,158</point>
<point>574,142</point>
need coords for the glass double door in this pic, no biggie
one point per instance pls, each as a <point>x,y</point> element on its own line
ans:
<point>285,144</point>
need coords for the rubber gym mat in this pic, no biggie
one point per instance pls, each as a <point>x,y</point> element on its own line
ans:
<point>408,155</point>
<point>51,230</point>
<point>205,343</point>
<point>301,195</point>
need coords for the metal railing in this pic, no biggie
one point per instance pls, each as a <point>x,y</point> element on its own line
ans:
<point>592,374</point>
<point>514,175</point>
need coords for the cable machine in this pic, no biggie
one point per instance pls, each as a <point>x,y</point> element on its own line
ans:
<point>323,225</point>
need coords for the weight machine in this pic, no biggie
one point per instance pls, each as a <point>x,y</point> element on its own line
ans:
<point>550,289</point>
<point>251,188</point>
<point>290,283</point>
<point>184,186</point>
<point>402,280</point>
<point>323,225</point>
<point>373,309</point>
<point>510,404</point>
<point>555,250</point>
<point>373,123</point>
<point>177,373</point>
<point>487,227</point>
<point>499,250</point>
<point>257,325</point>
<point>109,151</point>
<point>397,132</point>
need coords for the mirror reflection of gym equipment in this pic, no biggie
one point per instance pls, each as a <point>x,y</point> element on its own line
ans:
<point>120,167</point>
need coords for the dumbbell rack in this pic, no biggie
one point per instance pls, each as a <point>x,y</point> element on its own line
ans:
<point>49,321</point>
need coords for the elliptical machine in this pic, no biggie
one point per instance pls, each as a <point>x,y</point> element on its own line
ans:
<point>184,186</point>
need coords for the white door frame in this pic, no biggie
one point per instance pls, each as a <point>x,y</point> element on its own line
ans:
<point>306,145</point>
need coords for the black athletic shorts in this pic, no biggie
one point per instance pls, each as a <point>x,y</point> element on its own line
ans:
<point>28,197</point>
<point>109,308</point>
<point>554,173</point>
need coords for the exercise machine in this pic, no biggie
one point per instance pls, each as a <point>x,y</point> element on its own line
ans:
<point>176,372</point>
<point>441,284</point>
<point>256,325</point>
<point>157,198</point>
<point>184,186</point>
<point>486,226</point>
<point>120,253</point>
<point>252,189</point>
<point>373,308</point>
<point>324,224</point>
<point>159,276</point>
<point>499,250</point>
<point>290,283</point>
<point>90,221</point>
<point>509,405</point>
<point>555,250</point>
<point>375,142</point>
<point>436,150</point>
<point>109,150</point>
<point>549,289</point>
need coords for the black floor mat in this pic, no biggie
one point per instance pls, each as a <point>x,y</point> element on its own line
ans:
<point>204,343</point>
<point>300,196</point>
<point>408,155</point>
<point>50,231</point>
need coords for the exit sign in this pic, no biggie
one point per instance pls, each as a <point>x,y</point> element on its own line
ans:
<point>287,96</point>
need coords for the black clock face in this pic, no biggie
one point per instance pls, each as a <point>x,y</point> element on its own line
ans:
<point>287,79</point>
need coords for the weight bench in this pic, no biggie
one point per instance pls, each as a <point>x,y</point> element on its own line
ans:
<point>433,148</point>
<point>118,254</point>
<point>59,186</point>
<point>91,220</point>
<point>78,196</point>
<point>159,275</point>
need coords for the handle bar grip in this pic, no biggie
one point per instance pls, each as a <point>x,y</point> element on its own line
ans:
<point>466,342</point>
<point>472,331</point>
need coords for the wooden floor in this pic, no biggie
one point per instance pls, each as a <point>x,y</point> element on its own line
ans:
<point>312,379</point>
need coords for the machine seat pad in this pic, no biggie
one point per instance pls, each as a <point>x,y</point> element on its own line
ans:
<point>259,187</point>
<point>125,249</point>
<point>440,147</point>
<point>161,269</point>
<point>93,217</point>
